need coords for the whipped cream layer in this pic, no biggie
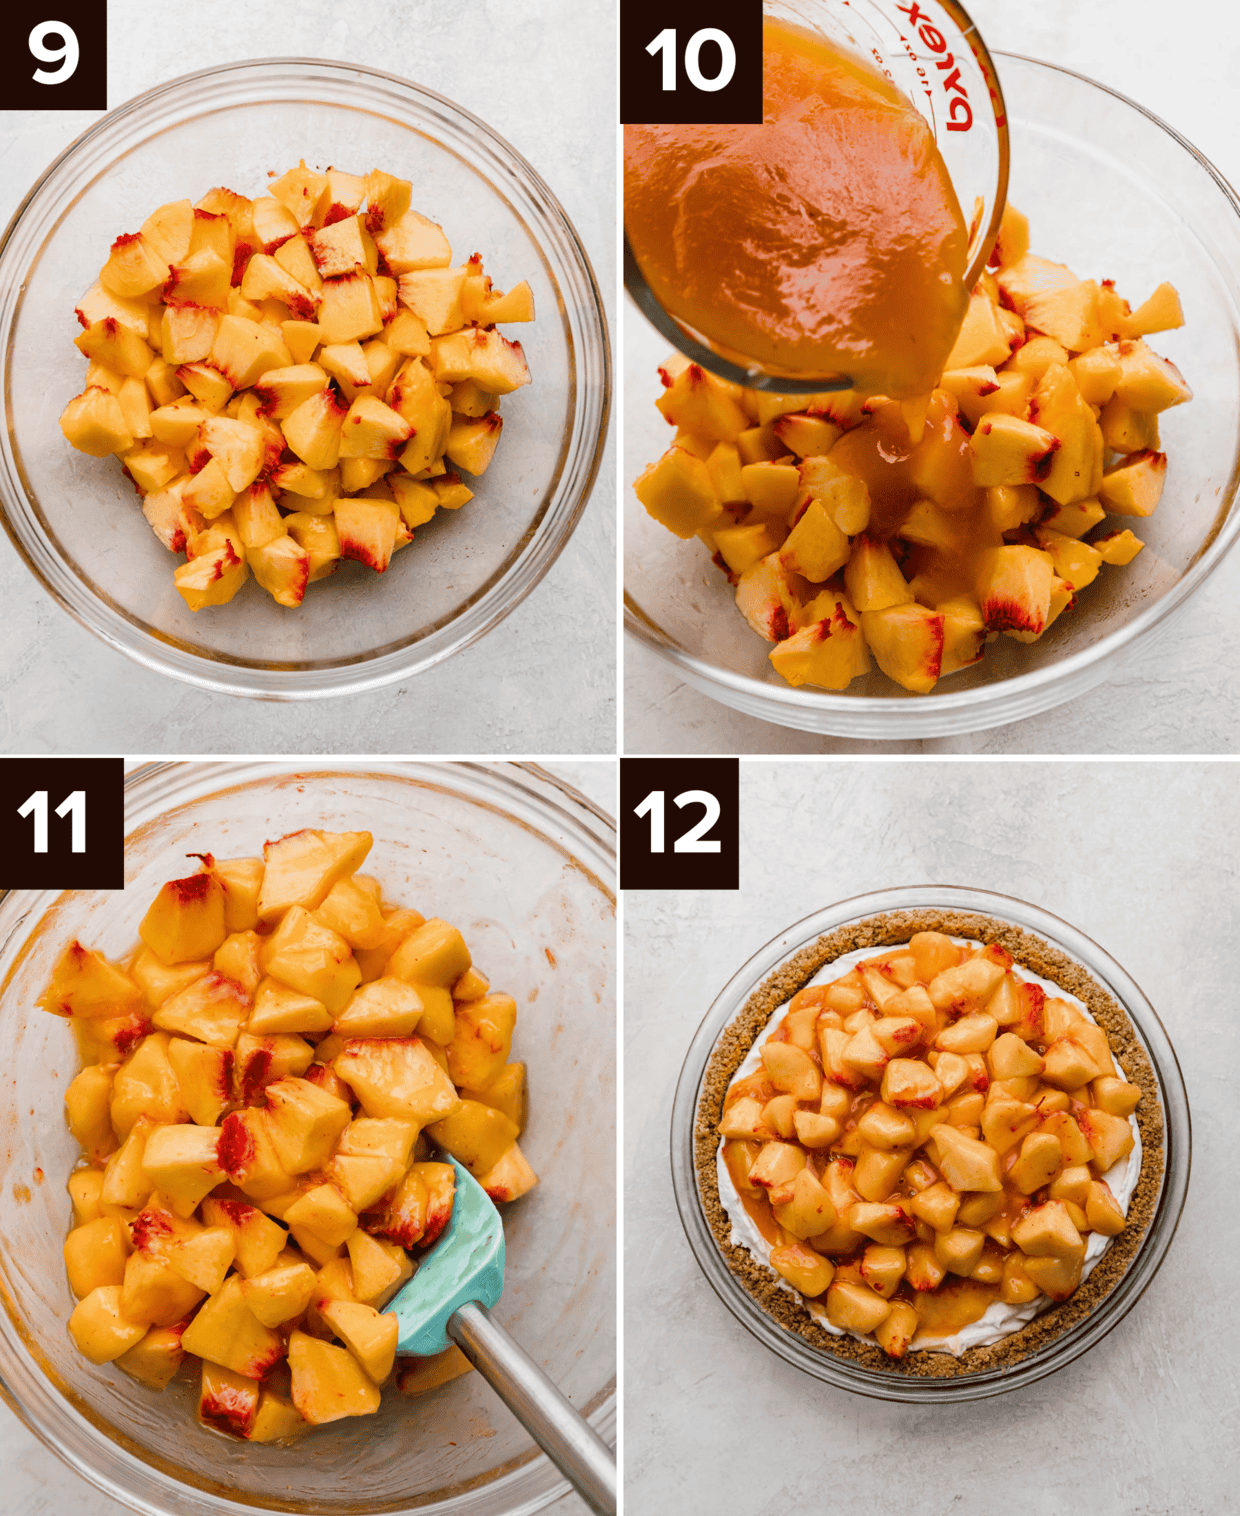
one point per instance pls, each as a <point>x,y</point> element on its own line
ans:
<point>1000,1319</point>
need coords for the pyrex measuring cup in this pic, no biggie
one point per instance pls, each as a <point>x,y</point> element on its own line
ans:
<point>932,52</point>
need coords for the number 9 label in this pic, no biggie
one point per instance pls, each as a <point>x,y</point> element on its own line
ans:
<point>56,58</point>
<point>66,55</point>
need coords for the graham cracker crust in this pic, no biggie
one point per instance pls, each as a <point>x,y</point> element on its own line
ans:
<point>1029,951</point>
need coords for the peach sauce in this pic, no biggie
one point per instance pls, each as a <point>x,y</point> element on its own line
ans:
<point>827,240</point>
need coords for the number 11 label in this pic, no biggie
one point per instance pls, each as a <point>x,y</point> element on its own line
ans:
<point>62,823</point>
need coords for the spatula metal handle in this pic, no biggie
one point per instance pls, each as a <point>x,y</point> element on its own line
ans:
<point>567,1438</point>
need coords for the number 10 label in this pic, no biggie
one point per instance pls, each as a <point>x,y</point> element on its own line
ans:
<point>704,68</point>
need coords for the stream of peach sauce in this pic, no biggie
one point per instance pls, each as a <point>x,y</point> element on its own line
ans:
<point>827,240</point>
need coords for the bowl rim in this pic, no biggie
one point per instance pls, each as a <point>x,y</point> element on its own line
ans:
<point>492,604</point>
<point>566,813</point>
<point>988,705</point>
<point>844,1373</point>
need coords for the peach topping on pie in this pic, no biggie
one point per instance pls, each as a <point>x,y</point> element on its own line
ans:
<point>928,1134</point>
<point>255,1182</point>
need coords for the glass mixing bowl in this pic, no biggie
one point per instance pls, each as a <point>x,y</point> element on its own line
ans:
<point>75,519</point>
<point>844,1373</point>
<point>526,866</point>
<point>1113,192</point>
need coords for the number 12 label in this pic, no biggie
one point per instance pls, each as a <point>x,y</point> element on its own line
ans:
<point>679,824</point>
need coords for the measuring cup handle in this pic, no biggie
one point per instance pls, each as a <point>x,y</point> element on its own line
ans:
<point>567,1438</point>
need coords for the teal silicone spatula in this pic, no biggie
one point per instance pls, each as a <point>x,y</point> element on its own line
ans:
<point>448,1301</point>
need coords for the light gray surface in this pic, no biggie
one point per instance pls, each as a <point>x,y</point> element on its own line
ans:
<point>1145,1423</point>
<point>544,79</point>
<point>1181,695</point>
<point>37,1483</point>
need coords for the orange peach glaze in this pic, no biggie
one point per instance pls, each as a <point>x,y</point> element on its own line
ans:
<point>898,474</point>
<point>827,240</point>
<point>941,1312</point>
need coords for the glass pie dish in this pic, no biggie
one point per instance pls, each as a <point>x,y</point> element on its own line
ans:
<point>526,865</point>
<point>692,1134</point>
<point>1113,192</point>
<point>75,520</point>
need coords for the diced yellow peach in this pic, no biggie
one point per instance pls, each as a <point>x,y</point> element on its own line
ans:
<point>397,1077</point>
<point>909,1084</point>
<point>276,1420</point>
<point>85,1190</point>
<point>378,1268</point>
<point>324,1212</point>
<point>304,1122</point>
<point>1134,486</point>
<point>855,1308</point>
<point>937,1206</point>
<point>897,1330</point>
<point>1110,1137</point>
<point>1102,1209</point>
<point>506,1092</point>
<point>95,1254</point>
<point>679,493</point>
<point>155,1359</point>
<point>418,1375</point>
<point>886,1223</point>
<point>84,983</point>
<point>369,1335</point>
<point>885,1127</point>
<point>477,1135</point>
<point>1114,1096</point>
<point>510,1178</point>
<point>972,1033</point>
<point>99,1329</point>
<point>309,957</point>
<point>212,1009</point>
<point>1057,1277</point>
<point>328,1382</point>
<point>965,1162</point>
<point>803,1268</point>
<point>907,643</point>
<point>882,1268</point>
<point>154,1294</point>
<point>226,1332</point>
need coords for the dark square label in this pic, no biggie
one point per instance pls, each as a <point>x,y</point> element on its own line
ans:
<point>679,823</point>
<point>62,823</point>
<point>55,57</point>
<point>690,62</point>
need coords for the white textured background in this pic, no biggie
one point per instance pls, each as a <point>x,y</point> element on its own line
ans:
<point>36,1483</point>
<point>543,77</point>
<point>1183,694</point>
<point>1142,858</point>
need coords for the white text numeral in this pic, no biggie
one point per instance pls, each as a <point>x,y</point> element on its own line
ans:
<point>66,54</point>
<point>692,841</point>
<point>665,43</point>
<point>652,806</point>
<point>36,806</point>
<point>75,805</point>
